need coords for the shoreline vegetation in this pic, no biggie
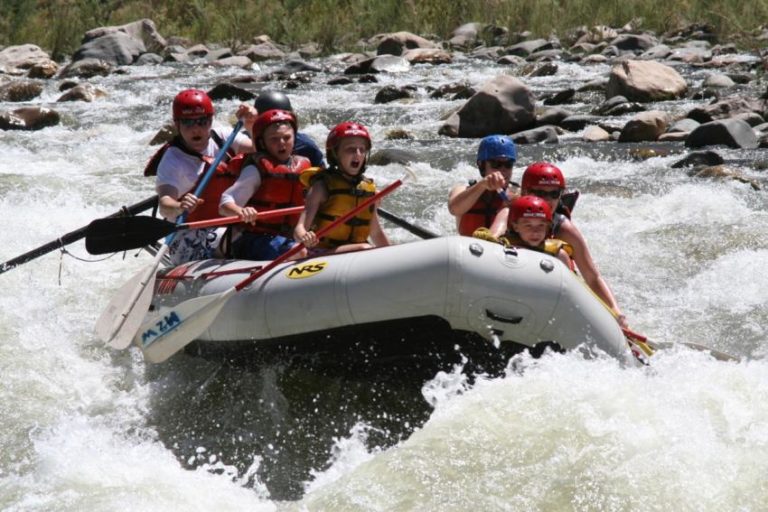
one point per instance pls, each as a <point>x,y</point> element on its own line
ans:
<point>341,25</point>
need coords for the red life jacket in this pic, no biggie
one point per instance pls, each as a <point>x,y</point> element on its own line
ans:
<point>226,174</point>
<point>481,214</point>
<point>280,188</point>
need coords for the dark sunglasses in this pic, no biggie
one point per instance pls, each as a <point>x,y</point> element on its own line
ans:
<point>199,121</point>
<point>498,164</point>
<point>545,194</point>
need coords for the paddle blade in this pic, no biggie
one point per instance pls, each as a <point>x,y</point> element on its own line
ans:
<point>122,317</point>
<point>171,329</point>
<point>104,236</point>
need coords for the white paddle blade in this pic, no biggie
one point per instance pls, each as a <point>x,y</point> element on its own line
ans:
<point>123,315</point>
<point>171,329</point>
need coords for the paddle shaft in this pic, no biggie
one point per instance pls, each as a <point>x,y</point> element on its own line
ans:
<point>298,247</point>
<point>118,318</point>
<point>208,175</point>
<point>234,219</point>
<point>74,236</point>
<point>399,221</point>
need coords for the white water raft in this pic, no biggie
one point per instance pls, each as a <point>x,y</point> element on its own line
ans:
<point>476,286</point>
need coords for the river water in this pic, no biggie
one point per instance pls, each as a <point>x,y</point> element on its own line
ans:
<point>88,428</point>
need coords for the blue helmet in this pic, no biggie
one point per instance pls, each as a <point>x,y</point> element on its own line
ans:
<point>495,146</point>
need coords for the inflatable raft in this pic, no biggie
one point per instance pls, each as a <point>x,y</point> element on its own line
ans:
<point>477,287</point>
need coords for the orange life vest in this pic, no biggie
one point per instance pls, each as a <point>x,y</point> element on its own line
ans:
<point>481,214</point>
<point>280,188</point>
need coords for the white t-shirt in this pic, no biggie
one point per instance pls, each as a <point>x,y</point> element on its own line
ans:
<point>241,190</point>
<point>181,170</point>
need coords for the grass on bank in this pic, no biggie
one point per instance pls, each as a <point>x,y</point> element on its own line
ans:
<point>337,25</point>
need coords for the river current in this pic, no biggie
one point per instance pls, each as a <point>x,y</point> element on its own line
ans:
<point>85,427</point>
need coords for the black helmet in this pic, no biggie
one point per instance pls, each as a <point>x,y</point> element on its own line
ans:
<point>272,100</point>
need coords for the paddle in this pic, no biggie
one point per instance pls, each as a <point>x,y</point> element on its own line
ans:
<point>74,236</point>
<point>399,221</point>
<point>640,340</point>
<point>173,328</point>
<point>115,235</point>
<point>123,315</point>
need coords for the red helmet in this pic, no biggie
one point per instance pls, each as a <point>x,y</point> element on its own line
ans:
<point>530,207</point>
<point>343,130</point>
<point>192,103</point>
<point>271,117</point>
<point>542,174</point>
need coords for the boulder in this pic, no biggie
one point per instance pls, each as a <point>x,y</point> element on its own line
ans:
<point>577,122</point>
<point>699,158</point>
<point>82,92</point>
<point>733,133</point>
<point>227,91</point>
<point>29,118</point>
<point>427,56</point>
<point>594,133</point>
<point>560,97</point>
<point>141,30</point>
<point>503,105</point>
<point>116,48</point>
<point>380,64</point>
<point>546,134</point>
<point>392,93</point>
<point>718,81</point>
<point>23,56</point>
<point>20,90</point>
<point>86,68</point>
<point>645,126</point>
<point>392,156</point>
<point>466,36</point>
<point>645,81</point>
<point>397,42</point>
<point>724,109</point>
<point>262,52</point>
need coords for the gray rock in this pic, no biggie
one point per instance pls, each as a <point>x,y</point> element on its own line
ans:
<point>578,122</point>
<point>546,134</point>
<point>29,118</point>
<point>696,158</point>
<point>503,105</point>
<point>392,156</point>
<point>391,93</point>
<point>117,48</point>
<point>733,133</point>
<point>20,90</point>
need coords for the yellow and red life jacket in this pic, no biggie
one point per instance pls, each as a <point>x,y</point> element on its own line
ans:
<point>344,194</point>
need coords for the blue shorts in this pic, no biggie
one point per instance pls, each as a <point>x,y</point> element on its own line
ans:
<point>251,246</point>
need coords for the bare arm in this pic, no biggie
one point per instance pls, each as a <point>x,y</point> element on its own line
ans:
<point>586,265</point>
<point>499,224</point>
<point>316,196</point>
<point>378,236</point>
<point>463,197</point>
<point>239,194</point>
<point>170,207</point>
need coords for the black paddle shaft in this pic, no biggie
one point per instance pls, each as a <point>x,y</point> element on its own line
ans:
<point>399,221</point>
<point>74,236</point>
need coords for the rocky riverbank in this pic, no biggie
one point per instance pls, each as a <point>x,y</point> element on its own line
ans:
<point>652,76</point>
